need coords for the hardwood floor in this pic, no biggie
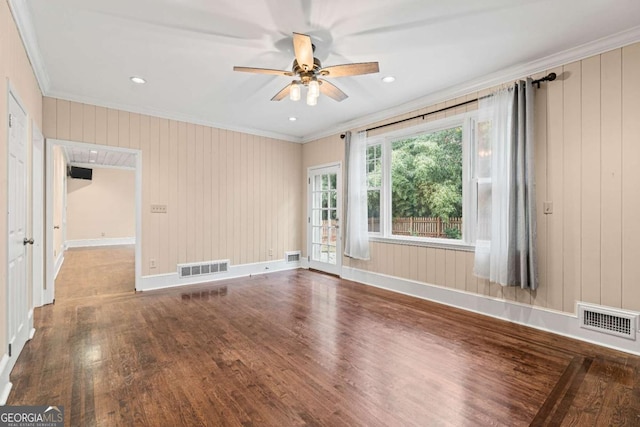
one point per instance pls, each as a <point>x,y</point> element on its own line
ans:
<point>105,270</point>
<point>303,348</point>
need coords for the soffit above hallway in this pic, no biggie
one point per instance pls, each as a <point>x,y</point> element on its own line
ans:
<point>89,156</point>
<point>87,50</point>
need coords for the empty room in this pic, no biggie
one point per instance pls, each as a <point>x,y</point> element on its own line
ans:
<point>288,213</point>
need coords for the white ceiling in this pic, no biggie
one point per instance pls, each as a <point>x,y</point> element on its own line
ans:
<point>86,50</point>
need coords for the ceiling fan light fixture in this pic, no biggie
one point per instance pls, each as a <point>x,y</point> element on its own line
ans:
<point>294,91</point>
<point>314,88</point>
<point>308,71</point>
<point>311,99</point>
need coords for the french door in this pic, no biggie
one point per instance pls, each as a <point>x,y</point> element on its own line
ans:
<point>324,239</point>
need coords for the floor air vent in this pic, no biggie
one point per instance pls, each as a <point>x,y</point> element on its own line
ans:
<point>608,321</point>
<point>203,268</point>
<point>293,256</point>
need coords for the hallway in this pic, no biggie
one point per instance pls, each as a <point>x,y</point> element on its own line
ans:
<point>97,271</point>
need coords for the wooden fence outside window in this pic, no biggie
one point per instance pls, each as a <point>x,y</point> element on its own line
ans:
<point>420,227</point>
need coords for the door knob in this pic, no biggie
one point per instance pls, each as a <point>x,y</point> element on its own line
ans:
<point>56,227</point>
<point>26,241</point>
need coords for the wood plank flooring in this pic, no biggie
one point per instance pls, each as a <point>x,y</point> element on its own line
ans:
<point>301,348</point>
<point>96,271</point>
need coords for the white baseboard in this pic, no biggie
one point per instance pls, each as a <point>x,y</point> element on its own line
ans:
<point>557,322</point>
<point>32,330</point>
<point>161,281</point>
<point>114,241</point>
<point>5,384</point>
<point>7,363</point>
<point>58,265</point>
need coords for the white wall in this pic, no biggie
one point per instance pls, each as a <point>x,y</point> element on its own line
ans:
<point>103,208</point>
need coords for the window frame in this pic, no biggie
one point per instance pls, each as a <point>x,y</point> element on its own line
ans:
<point>379,189</point>
<point>469,182</point>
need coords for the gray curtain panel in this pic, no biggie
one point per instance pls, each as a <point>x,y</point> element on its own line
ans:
<point>523,260</point>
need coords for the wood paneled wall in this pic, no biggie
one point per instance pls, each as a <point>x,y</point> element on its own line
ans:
<point>588,166</point>
<point>228,194</point>
<point>15,68</point>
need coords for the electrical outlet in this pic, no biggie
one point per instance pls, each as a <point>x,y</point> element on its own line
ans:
<point>152,263</point>
<point>270,252</point>
<point>547,208</point>
<point>103,234</point>
<point>158,208</point>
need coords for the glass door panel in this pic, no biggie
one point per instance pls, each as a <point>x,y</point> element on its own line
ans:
<point>324,219</point>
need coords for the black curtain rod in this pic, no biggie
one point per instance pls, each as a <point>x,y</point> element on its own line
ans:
<point>548,78</point>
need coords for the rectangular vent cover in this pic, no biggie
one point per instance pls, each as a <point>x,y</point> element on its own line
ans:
<point>203,268</point>
<point>293,256</point>
<point>608,321</point>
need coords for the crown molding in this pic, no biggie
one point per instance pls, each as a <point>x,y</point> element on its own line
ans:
<point>170,115</point>
<point>22,17</point>
<point>514,72</point>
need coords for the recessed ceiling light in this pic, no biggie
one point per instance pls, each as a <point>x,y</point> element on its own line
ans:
<point>138,80</point>
<point>388,79</point>
<point>293,119</point>
<point>93,151</point>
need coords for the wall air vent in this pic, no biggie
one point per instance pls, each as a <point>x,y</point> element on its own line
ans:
<point>292,256</point>
<point>203,268</point>
<point>608,321</point>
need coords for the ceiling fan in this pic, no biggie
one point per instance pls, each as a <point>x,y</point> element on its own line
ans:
<point>308,71</point>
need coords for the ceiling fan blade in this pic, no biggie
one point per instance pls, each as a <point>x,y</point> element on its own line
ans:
<point>303,50</point>
<point>332,91</point>
<point>282,94</point>
<point>350,69</point>
<point>263,71</point>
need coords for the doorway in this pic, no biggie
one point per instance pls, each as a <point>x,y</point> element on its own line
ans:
<point>324,235</point>
<point>97,156</point>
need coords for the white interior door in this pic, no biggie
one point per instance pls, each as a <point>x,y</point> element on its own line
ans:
<point>325,206</point>
<point>37,171</point>
<point>17,304</point>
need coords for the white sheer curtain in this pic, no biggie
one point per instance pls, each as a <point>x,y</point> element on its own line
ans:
<point>506,232</point>
<point>357,233</point>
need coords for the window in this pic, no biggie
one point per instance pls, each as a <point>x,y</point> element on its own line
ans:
<point>483,178</point>
<point>374,186</point>
<point>419,182</point>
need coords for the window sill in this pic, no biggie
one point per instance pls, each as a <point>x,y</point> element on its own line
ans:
<point>435,243</point>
